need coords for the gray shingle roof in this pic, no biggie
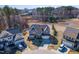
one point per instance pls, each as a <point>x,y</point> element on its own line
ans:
<point>39,29</point>
<point>14,30</point>
<point>71,32</point>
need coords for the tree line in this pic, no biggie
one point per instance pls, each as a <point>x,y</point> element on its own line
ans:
<point>10,18</point>
<point>51,14</point>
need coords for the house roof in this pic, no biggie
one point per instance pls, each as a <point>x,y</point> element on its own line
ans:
<point>71,32</point>
<point>14,30</point>
<point>4,34</point>
<point>39,29</point>
<point>11,34</point>
<point>11,37</point>
<point>8,38</point>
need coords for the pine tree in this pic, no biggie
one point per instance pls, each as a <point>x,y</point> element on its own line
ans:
<point>55,32</point>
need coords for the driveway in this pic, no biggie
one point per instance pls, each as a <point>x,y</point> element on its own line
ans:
<point>40,51</point>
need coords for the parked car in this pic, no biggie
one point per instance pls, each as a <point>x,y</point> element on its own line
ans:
<point>62,49</point>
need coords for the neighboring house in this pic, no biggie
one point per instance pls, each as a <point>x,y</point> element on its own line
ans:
<point>78,16</point>
<point>39,34</point>
<point>11,41</point>
<point>71,38</point>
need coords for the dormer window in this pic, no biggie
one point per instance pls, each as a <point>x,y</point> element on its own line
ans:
<point>64,37</point>
<point>33,28</point>
<point>67,37</point>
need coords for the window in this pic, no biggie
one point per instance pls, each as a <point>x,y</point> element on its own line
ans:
<point>67,37</point>
<point>78,36</point>
<point>64,36</point>
<point>33,28</point>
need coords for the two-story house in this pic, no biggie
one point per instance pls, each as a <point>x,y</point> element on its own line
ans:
<point>11,40</point>
<point>39,34</point>
<point>71,38</point>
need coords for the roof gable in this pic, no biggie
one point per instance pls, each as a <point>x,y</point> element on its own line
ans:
<point>39,29</point>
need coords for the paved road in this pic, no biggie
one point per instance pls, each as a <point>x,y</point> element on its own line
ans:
<point>40,51</point>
